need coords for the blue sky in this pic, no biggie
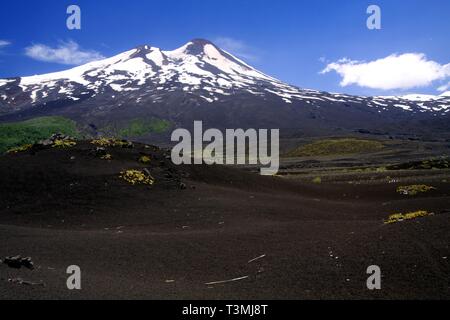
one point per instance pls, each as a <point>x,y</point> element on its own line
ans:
<point>293,40</point>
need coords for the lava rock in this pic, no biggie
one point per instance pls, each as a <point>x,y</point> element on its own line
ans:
<point>99,152</point>
<point>18,262</point>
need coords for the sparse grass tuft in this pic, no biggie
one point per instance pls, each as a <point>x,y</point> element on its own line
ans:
<point>414,189</point>
<point>145,159</point>
<point>398,217</point>
<point>106,157</point>
<point>137,177</point>
<point>111,142</point>
<point>59,143</point>
<point>101,142</point>
<point>317,180</point>
<point>23,148</point>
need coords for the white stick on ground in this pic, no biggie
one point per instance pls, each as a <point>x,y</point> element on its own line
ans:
<point>226,281</point>
<point>257,258</point>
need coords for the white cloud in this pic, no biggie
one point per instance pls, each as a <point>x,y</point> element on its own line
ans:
<point>236,47</point>
<point>404,71</point>
<point>444,87</point>
<point>4,43</point>
<point>65,53</point>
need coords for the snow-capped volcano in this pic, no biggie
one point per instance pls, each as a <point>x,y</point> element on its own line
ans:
<point>198,64</point>
<point>198,81</point>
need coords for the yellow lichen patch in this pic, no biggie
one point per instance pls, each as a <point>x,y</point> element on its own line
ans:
<point>137,177</point>
<point>59,143</point>
<point>398,217</point>
<point>414,189</point>
<point>110,142</point>
<point>106,157</point>
<point>23,148</point>
<point>145,159</point>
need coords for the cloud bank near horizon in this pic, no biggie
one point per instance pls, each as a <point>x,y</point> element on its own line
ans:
<point>397,71</point>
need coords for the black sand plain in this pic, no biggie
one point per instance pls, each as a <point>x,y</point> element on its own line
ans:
<point>284,238</point>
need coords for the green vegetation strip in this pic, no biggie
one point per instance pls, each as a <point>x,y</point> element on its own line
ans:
<point>331,147</point>
<point>136,128</point>
<point>31,131</point>
<point>431,164</point>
